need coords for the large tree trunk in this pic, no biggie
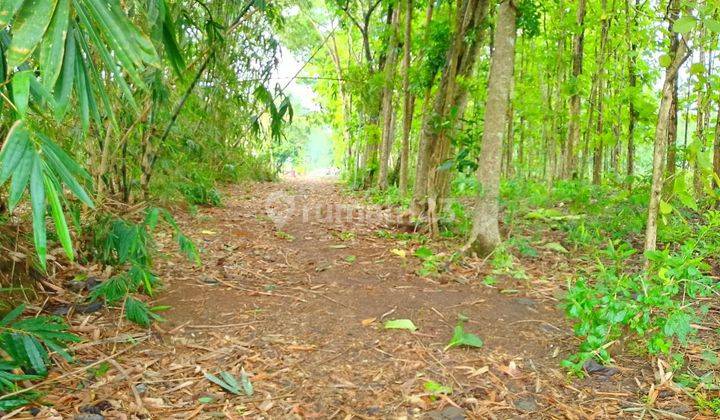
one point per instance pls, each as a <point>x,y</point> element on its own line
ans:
<point>485,233</point>
<point>409,99</point>
<point>661,131</point>
<point>388,132</point>
<point>574,124</point>
<point>449,105</point>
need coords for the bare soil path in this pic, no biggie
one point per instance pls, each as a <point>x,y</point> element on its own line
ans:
<point>300,308</point>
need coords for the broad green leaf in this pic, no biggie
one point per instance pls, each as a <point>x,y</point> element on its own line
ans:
<point>56,210</point>
<point>697,68</point>
<point>16,143</point>
<point>665,60</point>
<point>53,44</point>
<point>665,207</point>
<point>461,338</point>
<point>437,388</point>
<point>685,24</point>
<point>21,90</point>
<point>8,8</point>
<point>28,29</point>
<point>37,201</point>
<point>713,25</point>
<point>400,324</point>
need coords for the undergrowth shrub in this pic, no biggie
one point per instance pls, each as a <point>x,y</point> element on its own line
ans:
<point>655,310</point>
<point>129,246</point>
<point>27,344</point>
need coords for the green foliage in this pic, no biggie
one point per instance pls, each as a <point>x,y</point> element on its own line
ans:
<point>27,344</point>
<point>229,383</point>
<point>647,307</point>
<point>462,338</point>
<point>130,246</point>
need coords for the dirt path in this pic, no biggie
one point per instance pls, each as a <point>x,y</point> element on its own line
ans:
<point>300,308</point>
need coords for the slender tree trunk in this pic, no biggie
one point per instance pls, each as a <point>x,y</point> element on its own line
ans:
<point>409,99</point>
<point>631,25</point>
<point>716,150</point>
<point>673,124</point>
<point>485,233</point>
<point>387,102</point>
<point>418,204</point>
<point>574,124</point>
<point>661,131</point>
<point>699,131</point>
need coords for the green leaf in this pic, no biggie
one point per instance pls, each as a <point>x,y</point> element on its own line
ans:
<point>53,44</point>
<point>697,68</point>
<point>37,200</point>
<point>713,25</point>
<point>15,147</point>
<point>21,177</point>
<point>12,315</point>
<point>665,60</point>
<point>28,29</point>
<point>8,8</point>
<point>64,84</point>
<point>665,207</point>
<point>34,354</point>
<point>137,312</point>
<point>224,385</point>
<point>21,90</point>
<point>400,324</point>
<point>684,24</point>
<point>437,388</point>
<point>246,384</point>
<point>461,338</point>
<point>423,253</point>
<point>56,210</point>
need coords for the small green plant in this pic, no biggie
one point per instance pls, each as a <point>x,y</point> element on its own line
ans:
<point>431,262</point>
<point>27,344</point>
<point>436,389</point>
<point>130,246</point>
<point>462,338</point>
<point>229,383</point>
<point>284,235</point>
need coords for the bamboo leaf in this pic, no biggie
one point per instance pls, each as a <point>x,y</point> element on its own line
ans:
<point>12,315</point>
<point>53,45</point>
<point>21,90</point>
<point>33,351</point>
<point>37,200</point>
<point>64,83</point>
<point>20,178</point>
<point>8,8</point>
<point>28,29</point>
<point>16,144</point>
<point>56,210</point>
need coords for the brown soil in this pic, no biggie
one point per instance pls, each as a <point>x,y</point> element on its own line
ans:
<point>301,310</point>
